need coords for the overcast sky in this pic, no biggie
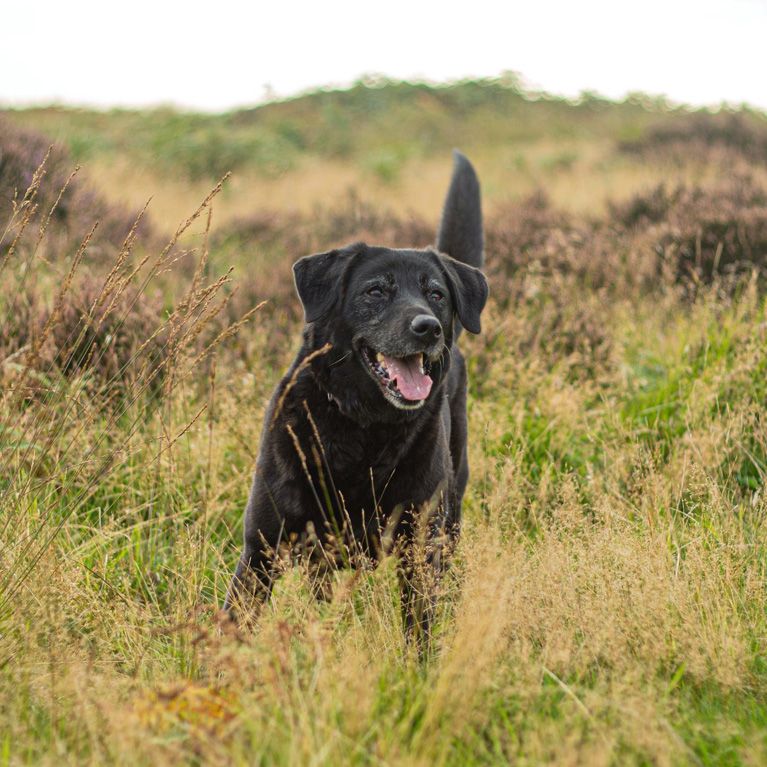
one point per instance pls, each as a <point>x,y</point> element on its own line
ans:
<point>223,54</point>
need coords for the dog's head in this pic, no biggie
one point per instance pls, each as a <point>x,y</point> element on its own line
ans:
<point>391,316</point>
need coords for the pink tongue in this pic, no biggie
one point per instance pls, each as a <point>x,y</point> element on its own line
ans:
<point>406,373</point>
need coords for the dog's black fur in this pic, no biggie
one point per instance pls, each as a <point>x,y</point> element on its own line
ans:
<point>344,458</point>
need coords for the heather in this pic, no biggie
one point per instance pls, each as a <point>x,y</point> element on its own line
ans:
<point>605,604</point>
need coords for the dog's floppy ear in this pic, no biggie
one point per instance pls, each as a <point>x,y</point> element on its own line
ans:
<point>460,231</point>
<point>318,281</point>
<point>469,290</point>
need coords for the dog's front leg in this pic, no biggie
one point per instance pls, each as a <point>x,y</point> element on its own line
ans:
<point>421,564</point>
<point>267,526</point>
<point>419,573</point>
<point>252,582</point>
<point>418,602</point>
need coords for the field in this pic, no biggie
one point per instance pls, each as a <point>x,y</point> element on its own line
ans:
<point>606,603</point>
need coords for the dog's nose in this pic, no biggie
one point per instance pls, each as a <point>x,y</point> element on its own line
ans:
<point>426,325</point>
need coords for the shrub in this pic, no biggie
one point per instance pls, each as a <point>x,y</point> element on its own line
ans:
<point>701,233</point>
<point>109,340</point>
<point>693,134</point>
<point>22,152</point>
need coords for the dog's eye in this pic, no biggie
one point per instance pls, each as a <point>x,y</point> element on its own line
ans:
<point>375,292</point>
<point>436,295</point>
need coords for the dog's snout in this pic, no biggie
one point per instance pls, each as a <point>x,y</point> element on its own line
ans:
<point>426,326</point>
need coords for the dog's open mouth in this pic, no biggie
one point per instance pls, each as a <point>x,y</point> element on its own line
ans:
<point>404,381</point>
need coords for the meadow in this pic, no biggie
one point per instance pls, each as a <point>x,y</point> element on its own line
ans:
<point>606,603</point>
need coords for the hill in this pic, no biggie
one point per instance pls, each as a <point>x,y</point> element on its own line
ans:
<point>388,141</point>
<point>605,604</point>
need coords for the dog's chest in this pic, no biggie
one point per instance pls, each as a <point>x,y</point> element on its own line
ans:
<point>356,460</point>
<point>364,467</point>
<point>356,454</point>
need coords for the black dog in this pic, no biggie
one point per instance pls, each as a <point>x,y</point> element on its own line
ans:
<point>364,441</point>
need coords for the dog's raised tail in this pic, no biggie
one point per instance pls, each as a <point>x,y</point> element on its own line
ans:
<point>460,231</point>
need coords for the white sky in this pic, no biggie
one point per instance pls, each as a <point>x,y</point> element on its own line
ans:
<point>223,54</point>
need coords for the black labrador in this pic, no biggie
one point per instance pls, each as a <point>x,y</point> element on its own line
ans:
<point>363,448</point>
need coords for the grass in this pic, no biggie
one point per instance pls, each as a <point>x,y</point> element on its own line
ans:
<point>605,604</point>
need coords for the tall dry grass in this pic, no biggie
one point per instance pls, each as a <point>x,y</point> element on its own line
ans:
<point>605,604</point>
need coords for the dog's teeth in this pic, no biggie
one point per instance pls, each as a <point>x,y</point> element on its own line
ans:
<point>420,362</point>
<point>380,357</point>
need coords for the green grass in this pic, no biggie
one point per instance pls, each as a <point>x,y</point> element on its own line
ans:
<point>606,602</point>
